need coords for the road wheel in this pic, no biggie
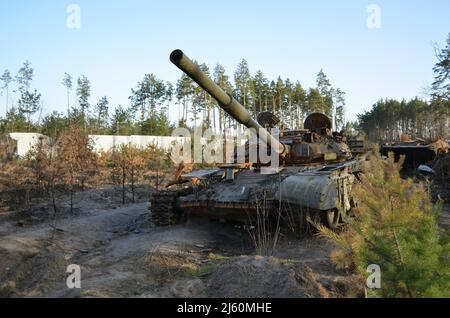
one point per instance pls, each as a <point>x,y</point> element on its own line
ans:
<point>331,218</point>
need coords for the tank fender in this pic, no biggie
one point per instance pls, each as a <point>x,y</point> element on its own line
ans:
<point>318,192</point>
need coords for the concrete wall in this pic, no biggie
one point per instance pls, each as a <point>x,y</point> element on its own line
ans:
<point>108,142</point>
<point>26,141</point>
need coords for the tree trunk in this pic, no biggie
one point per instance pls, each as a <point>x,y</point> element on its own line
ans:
<point>68,103</point>
<point>132,185</point>
<point>71,200</point>
<point>123,185</point>
<point>7,99</point>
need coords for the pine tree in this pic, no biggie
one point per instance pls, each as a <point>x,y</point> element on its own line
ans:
<point>29,103</point>
<point>67,82</point>
<point>279,97</point>
<point>148,97</point>
<point>201,102</point>
<point>326,91</point>
<point>29,100</point>
<point>6,78</point>
<point>121,122</point>
<point>314,101</point>
<point>221,79</point>
<point>300,104</point>
<point>289,94</point>
<point>169,97</point>
<point>260,91</point>
<point>154,92</point>
<point>396,228</point>
<point>54,124</point>
<point>339,115</point>
<point>441,84</point>
<point>83,93</point>
<point>184,91</point>
<point>102,113</point>
<point>242,85</point>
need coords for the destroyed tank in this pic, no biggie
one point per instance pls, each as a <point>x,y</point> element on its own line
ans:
<point>417,152</point>
<point>314,178</point>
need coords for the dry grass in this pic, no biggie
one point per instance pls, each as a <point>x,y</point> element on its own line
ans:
<point>264,232</point>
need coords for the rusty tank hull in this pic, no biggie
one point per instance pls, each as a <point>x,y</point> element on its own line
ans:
<point>315,189</point>
<point>314,178</point>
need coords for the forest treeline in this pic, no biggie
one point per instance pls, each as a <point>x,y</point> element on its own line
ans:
<point>430,119</point>
<point>389,119</point>
<point>149,101</point>
<point>147,112</point>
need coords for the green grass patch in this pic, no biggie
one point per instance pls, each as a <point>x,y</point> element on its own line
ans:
<point>200,271</point>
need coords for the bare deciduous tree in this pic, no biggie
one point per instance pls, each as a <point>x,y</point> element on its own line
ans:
<point>79,160</point>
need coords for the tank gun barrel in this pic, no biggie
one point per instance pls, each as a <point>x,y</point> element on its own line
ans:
<point>225,100</point>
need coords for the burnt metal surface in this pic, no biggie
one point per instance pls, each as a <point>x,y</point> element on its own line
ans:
<point>416,152</point>
<point>202,174</point>
<point>317,122</point>
<point>317,169</point>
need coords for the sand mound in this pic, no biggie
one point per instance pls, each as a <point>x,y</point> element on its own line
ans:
<point>257,276</point>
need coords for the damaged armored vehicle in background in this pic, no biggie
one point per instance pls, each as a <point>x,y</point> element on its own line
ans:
<point>314,179</point>
<point>422,158</point>
<point>418,153</point>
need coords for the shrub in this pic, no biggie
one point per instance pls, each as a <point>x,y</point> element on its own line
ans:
<point>396,228</point>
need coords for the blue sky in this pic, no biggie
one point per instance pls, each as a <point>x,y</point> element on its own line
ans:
<point>120,41</point>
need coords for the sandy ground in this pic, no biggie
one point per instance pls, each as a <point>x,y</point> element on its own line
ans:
<point>122,255</point>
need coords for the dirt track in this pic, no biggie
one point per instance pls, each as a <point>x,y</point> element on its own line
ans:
<point>122,255</point>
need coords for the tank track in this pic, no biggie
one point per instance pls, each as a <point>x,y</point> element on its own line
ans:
<point>162,208</point>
